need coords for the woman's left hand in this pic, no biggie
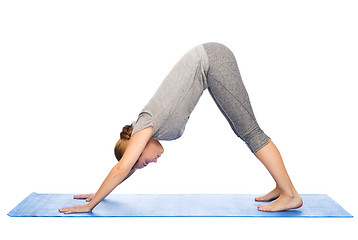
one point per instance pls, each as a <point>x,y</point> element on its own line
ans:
<point>76,209</point>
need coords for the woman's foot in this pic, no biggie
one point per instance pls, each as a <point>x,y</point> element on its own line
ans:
<point>283,203</point>
<point>270,196</point>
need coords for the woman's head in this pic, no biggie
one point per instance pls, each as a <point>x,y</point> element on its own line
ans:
<point>122,143</point>
<point>152,151</point>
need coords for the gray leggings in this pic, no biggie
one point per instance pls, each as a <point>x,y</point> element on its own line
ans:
<point>229,93</point>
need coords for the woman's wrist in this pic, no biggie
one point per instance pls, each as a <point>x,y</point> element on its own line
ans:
<point>90,206</point>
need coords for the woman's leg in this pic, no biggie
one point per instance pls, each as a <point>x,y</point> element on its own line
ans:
<point>229,93</point>
<point>286,194</point>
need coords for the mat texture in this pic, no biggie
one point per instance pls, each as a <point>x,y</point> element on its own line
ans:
<point>174,205</point>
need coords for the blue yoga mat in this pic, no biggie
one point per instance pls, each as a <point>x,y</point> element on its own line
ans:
<point>174,205</point>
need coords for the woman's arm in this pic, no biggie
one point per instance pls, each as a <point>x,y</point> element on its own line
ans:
<point>119,172</point>
<point>90,196</point>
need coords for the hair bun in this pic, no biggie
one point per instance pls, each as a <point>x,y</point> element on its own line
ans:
<point>126,132</point>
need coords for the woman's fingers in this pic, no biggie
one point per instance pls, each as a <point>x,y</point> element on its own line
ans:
<point>65,210</point>
<point>89,199</point>
<point>75,209</point>
<point>84,196</point>
<point>80,196</point>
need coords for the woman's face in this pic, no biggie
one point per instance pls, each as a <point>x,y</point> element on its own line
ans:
<point>152,151</point>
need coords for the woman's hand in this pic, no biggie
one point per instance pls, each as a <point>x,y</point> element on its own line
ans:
<point>88,197</point>
<point>79,208</point>
<point>76,209</point>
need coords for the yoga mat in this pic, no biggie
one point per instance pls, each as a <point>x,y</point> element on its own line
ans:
<point>174,205</point>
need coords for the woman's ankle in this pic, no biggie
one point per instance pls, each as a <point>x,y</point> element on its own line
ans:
<point>288,192</point>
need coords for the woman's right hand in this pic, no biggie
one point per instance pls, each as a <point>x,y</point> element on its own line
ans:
<point>88,197</point>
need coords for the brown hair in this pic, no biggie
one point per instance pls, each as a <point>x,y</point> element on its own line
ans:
<point>122,143</point>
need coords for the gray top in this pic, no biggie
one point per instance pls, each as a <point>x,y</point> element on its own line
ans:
<point>169,109</point>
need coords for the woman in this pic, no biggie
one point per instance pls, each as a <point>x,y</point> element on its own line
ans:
<point>209,66</point>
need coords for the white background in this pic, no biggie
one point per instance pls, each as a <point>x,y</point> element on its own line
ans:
<point>74,72</point>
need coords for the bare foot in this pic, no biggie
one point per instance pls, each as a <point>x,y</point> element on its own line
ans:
<point>270,196</point>
<point>283,203</point>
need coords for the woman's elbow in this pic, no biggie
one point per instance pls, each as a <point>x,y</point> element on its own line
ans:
<point>120,171</point>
